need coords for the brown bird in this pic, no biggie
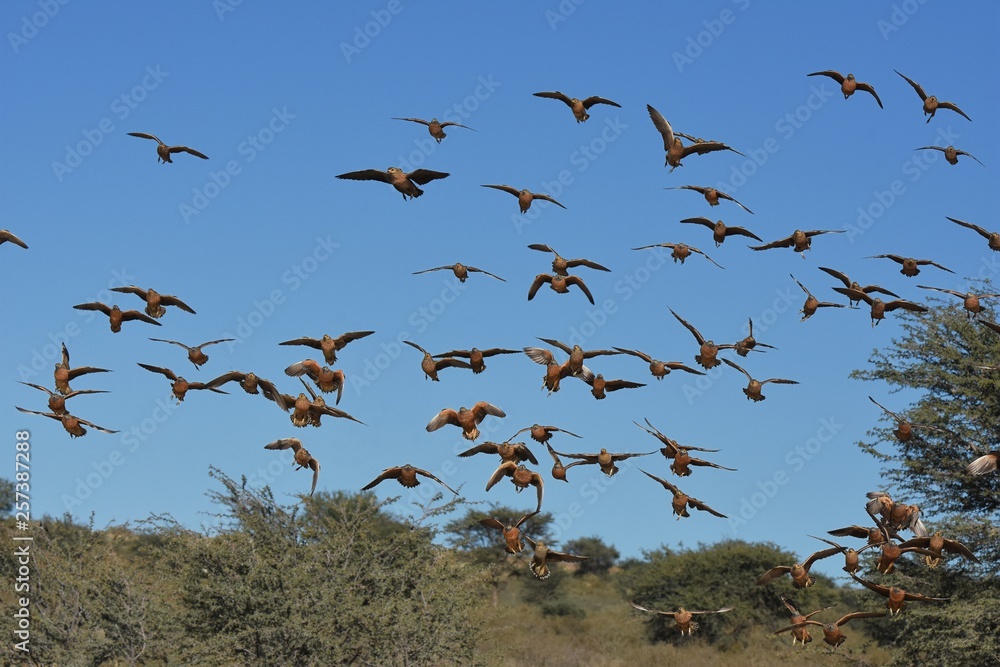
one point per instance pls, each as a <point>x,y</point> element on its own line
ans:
<point>895,516</point>
<point>680,251</point>
<point>678,454</point>
<point>57,402</point>
<point>799,633</point>
<point>720,230</point>
<point>195,355</point>
<point>476,356</point>
<point>749,343</point>
<point>63,374</point>
<point>603,459</point>
<point>431,367</point>
<point>849,84</point>
<point>896,597</point>
<point>711,195</point>
<point>911,267</point>
<point>799,240</point>
<point>543,556</point>
<point>405,475</point>
<point>559,284</point>
<point>116,315</point>
<point>435,127</point>
<point>73,425</point>
<point>681,501</point>
<point>832,633</point>
<point>984,464</point>
<point>155,301</point>
<point>799,572</point>
<point>812,304</point>
<point>993,238</point>
<point>853,284</point>
<point>873,534</point>
<point>179,386</point>
<point>554,371</point>
<point>302,456</point>
<point>329,345</point>
<point>599,386</point>
<point>558,469</point>
<point>660,369</point>
<point>753,389</point>
<point>511,532</point>
<point>674,148</point>
<point>931,103</point>
<point>891,552</point>
<point>708,354</point>
<point>560,265</point>
<point>851,556</point>
<point>992,326</point>
<point>465,419</point>
<point>878,307</point>
<point>6,235</point>
<point>461,271</point>
<point>577,355</point>
<point>970,301</point>
<point>525,196</point>
<point>542,434</point>
<point>520,477</point>
<point>252,384</point>
<point>405,184</point>
<point>682,617</point>
<point>950,153</point>
<point>163,151</point>
<point>578,107</point>
<point>310,412</point>
<point>508,451</point>
<point>904,428</point>
<point>326,379</point>
<point>937,544</point>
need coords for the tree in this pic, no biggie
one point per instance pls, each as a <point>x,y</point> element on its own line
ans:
<point>601,557</point>
<point>6,496</point>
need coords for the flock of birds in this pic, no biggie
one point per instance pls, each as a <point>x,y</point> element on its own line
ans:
<point>319,378</point>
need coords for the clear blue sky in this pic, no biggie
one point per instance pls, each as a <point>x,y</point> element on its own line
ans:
<point>267,245</point>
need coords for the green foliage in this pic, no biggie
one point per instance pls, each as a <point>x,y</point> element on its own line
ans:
<point>6,497</point>
<point>717,576</point>
<point>937,356</point>
<point>601,557</point>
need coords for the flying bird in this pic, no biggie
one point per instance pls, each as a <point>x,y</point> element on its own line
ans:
<point>310,412</point>
<point>328,344</point>
<point>405,184</point>
<point>984,464</point>
<point>163,151</point>
<point>579,107</point>
<point>799,572</point>
<point>896,598</point>
<point>599,386</point>
<point>799,241</point>
<point>525,196</point>
<point>659,369</point>
<point>904,428</point>
<point>681,501</point>
<point>852,557</point>
<point>993,238</point>
<point>950,153</point>
<point>63,374</point>
<point>73,425</point>
<point>57,401</point>
<point>517,452</point>
<point>911,266</point>
<point>604,459</point>
<point>6,235</point>
<point>708,353</point>
<point>558,469</point>
<point>560,265</point>
<point>832,634</point>
<point>116,316</point>
<point>252,384</point>
<point>936,544</point>
<point>799,633</point>
<point>511,532</point>
<point>577,355</point>
<point>878,307</point>
<point>155,301</point>
<point>680,251</point>
<point>521,477</point>
<point>465,419</point>
<point>302,456</point>
<point>848,84</point>
<point>178,385</point>
<point>853,284</point>
<point>476,356</point>
<point>970,301</point>
<point>435,127</point>
<point>326,379</point>
<point>674,148</point>
<point>543,556</point>
<point>749,343</point>
<point>461,271</point>
<point>721,230</point>
<point>431,367</point>
<point>543,434</point>
<point>195,354</point>
<point>405,475</point>
<point>682,617</point>
<point>711,195</point>
<point>931,103</point>
<point>753,389</point>
<point>678,454</point>
<point>558,284</point>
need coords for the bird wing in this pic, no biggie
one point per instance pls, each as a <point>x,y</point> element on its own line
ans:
<point>555,95</point>
<point>667,485</point>
<point>95,426</point>
<point>413,120</point>
<point>505,188</point>
<point>542,247</point>
<point>540,279</point>
<point>131,289</point>
<point>854,295</point>
<point>539,356</point>
<point>954,107</point>
<point>163,371</point>
<point>285,443</point>
<point>820,555</point>
<point>414,345</point>
<point>733,199</point>
<point>867,87</point>
<point>662,126</point>
<point>490,522</point>
<point>185,149</point>
<point>786,242</point>
<point>446,416</point>
<point>906,305</point>
<point>881,590</point>
<point>594,99</point>
<point>698,337</point>
<point>782,380</point>
<point>562,346</point>
<point>485,448</point>
<point>856,614</point>
<point>636,353</point>
<point>504,469</point>
<point>916,86</point>
<point>482,408</point>
<point>420,471</point>
<point>839,275</point>
<point>576,280</point>
<point>388,473</point>
<point>491,275</point>
<point>305,340</point>
<point>572,263</point>
<point>425,176</point>
<point>742,231</point>
<point>739,368</point>
<point>773,574</point>
<point>699,505</point>
<point>833,74</point>
<point>705,255</point>
<point>144,135</point>
<point>545,197</point>
<point>367,175</point>
<point>946,291</point>
<point>982,232</point>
